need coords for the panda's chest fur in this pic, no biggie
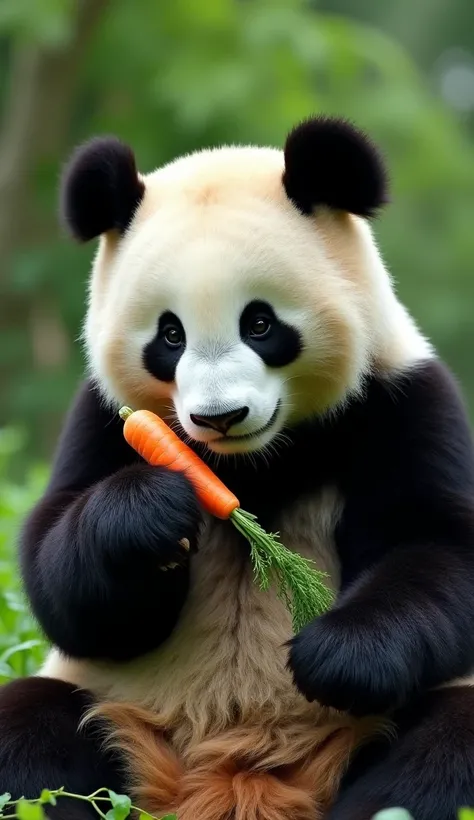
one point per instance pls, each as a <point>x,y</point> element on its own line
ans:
<point>225,662</point>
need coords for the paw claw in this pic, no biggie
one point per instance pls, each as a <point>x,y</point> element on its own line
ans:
<point>169,566</point>
<point>185,544</point>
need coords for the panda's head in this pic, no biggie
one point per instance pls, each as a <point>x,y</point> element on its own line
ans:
<point>238,287</point>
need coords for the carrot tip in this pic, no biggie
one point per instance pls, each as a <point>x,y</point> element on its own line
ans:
<point>125,412</point>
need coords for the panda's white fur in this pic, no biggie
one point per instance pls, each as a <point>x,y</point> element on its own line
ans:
<point>213,230</point>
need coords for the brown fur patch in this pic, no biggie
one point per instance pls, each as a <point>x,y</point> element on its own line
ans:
<point>243,773</point>
<point>155,773</point>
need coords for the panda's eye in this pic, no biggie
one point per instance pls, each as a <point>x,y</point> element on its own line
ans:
<point>260,327</point>
<point>173,336</point>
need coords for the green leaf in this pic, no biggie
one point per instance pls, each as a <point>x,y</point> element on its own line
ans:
<point>4,799</point>
<point>120,800</point>
<point>117,799</point>
<point>465,814</point>
<point>122,806</point>
<point>20,647</point>
<point>47,797</point>
<point>29,811</point>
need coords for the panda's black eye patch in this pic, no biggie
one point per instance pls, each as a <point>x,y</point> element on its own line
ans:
<point>162,354</point>
<point>276,342</point>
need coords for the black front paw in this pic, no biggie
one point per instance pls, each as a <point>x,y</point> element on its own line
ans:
<point>148,509</point>
<point>352,661</point>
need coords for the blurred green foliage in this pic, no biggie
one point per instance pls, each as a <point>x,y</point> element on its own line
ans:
<point>21,647</point>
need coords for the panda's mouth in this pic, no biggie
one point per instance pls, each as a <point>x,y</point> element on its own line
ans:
<point>255,434</point>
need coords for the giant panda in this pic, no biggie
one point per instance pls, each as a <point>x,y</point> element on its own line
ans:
<point>239,293</point>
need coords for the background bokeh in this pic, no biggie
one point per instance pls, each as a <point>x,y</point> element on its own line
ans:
<point>170,76</point>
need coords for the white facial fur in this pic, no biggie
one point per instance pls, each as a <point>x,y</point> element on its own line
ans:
<point>225,376</point>
<point>214,232</point>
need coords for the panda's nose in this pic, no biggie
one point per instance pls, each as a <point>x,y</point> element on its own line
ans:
<point>223,422</point>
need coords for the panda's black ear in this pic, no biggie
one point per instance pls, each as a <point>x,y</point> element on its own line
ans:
<point>330,162</point>
<point>100,188</point>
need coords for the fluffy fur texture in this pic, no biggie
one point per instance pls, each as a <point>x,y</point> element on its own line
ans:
<point>100,189</point>
<point>102,504</point>
<point>249,772</point>
<point>430,768</point>
<point>220,295</point>
<point>329,162</point>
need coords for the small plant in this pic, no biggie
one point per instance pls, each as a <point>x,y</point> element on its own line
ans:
<point>121,807</point>
<point>22,647</point>
<point>107,804</point>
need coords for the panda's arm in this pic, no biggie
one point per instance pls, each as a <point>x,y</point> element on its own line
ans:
<point>404,620</point>
<point>93,550</point>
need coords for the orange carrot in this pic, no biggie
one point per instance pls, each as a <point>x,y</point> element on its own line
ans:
<point>301,587</point>
<point>151,437</point>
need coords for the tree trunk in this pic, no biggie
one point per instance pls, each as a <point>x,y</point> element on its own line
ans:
<point>37,114</point>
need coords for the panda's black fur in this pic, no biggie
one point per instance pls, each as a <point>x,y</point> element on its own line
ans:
<point>328,162</point>
<point>100,189</point>
<point>401,455</point>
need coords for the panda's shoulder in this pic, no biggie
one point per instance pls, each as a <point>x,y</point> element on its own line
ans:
<point>89,411</point>
<point>427,393</point>
<point>415,424</point>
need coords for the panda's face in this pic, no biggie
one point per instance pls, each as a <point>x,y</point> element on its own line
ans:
<point>229,373</point>
<point>239,289</point>
<point>231,317</point>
